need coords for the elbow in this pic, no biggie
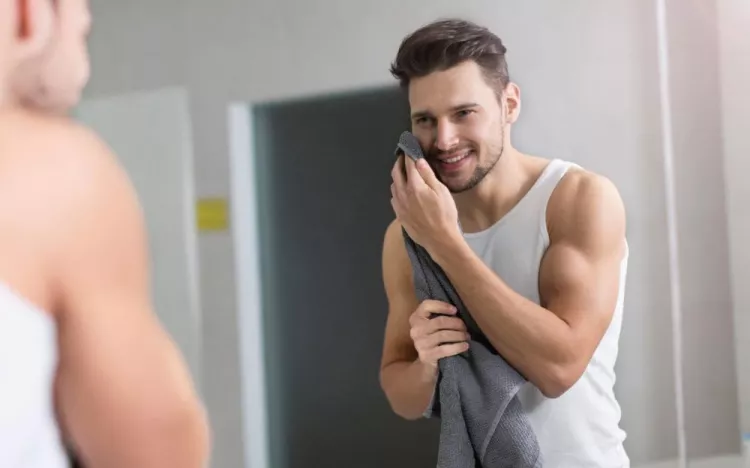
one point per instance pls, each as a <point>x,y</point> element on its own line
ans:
<point>558,379</point>
<point>397,403</point>
<point>201,429</point>
<point>174,437</point>
<point>553,390</point>
<point>405,413</point>
<point>190,429</point>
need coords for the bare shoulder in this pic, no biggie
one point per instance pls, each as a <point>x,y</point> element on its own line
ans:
<point>67,161</point>
<point>86,162</point>
<point>586,209</point>
<point>84,201</point>
<point>89,187</point>
<point>63,195</point>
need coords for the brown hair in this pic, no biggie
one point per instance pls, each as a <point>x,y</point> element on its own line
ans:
<point>446,43</point>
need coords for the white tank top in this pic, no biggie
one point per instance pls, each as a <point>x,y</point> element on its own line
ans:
<point>581,428</point>
<point>29,435</point>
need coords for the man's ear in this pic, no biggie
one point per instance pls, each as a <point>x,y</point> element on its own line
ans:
<point>34,27</point>
<point>512,96</point>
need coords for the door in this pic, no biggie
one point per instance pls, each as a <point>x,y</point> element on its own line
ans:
<point>323,177</point>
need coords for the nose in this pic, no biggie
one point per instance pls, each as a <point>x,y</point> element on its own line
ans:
<point>446,136</point>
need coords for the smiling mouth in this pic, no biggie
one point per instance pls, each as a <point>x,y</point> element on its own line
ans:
<point>457,158</point>
<point>454,160</point>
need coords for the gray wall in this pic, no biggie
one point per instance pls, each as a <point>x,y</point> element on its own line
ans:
<point>590,84</point>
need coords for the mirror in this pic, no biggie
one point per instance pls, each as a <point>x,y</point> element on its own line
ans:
<point>288,115</point>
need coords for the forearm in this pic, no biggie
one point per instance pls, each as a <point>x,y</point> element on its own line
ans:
<point>409,386</point>
<point>531,338</point>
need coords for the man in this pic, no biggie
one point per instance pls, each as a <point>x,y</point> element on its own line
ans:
<point>73,254</point>
<point>535,248</point>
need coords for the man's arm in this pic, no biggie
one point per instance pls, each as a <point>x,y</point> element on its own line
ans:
<point>407,382</point>
<point>123,392</point>
<point>579,283</point>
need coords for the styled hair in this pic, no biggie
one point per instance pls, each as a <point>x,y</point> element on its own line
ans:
<point>445,43</point>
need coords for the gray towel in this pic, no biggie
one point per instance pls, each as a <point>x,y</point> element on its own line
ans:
<point>482,423</point>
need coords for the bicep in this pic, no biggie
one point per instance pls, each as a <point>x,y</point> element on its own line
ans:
<point>402,301</point>
<point>580,288</point>
<point>580,273</point>
<point>121,380</point>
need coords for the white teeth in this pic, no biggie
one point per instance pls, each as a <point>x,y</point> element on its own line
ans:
<point>456,159</point>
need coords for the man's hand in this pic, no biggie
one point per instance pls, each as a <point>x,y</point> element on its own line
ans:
<point>423,205</point>
<point>438,337</point>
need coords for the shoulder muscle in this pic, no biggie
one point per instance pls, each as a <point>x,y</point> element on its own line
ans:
<point>580,272</point>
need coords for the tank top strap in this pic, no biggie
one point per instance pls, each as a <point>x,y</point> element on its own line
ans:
<point>550,177</point>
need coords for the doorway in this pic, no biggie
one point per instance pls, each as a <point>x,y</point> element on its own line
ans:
<point>323,189</point>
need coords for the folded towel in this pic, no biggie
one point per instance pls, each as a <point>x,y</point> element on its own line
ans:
<point>482,422</point>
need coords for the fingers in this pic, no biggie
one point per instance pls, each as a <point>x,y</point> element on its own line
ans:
<point>444,323</point>
<point>438,337</point>
<point>398,186</point>
<point>429,307</point>
<point>424,328</point>
<point>427,174</point>
<point>447,350</point>
<point>395,203</point>
<point>441,344</point>
<point>412,174</point>
<point>397,173</point>
<point>442,337</point>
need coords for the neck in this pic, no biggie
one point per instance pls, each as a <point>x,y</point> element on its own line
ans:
<point>9,102</point>
<point>500,190</point>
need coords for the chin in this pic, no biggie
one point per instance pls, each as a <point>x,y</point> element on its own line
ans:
<point>456,185</point>
<point>457,181</point>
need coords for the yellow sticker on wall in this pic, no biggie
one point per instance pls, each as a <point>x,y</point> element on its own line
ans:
<point>212,214</point>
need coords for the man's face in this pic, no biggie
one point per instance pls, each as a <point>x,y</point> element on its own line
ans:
<point>460,123</point>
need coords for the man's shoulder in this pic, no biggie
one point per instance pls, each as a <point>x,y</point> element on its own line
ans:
<point>37,145</point>
<point>585,203</point>
<point>583,183</point>
<point>59,171</point>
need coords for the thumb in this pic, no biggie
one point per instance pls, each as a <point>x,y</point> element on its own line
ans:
<point>428,175</point>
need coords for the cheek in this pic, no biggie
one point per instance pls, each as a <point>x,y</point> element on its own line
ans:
<point>475,132</point>
<point>423,134</point>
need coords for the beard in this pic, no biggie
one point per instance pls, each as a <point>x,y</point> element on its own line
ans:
<point>493,155</point>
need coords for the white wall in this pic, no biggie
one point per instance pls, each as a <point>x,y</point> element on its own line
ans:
<point>734,18</point>
<point>589,81</point>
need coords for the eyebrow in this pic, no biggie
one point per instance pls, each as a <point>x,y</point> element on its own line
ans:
<point>460,107</point>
